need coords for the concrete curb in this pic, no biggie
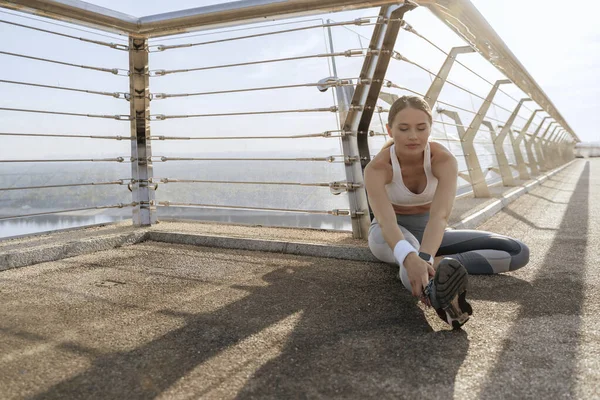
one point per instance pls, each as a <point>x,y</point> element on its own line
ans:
<point>54,252</point>
<point>479,217</point>
<point>297,248</point>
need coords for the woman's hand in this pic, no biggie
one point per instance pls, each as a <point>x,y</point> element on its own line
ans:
<point>419,272</point>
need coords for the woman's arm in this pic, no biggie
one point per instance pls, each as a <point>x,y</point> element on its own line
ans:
<point>445,169</point>
<point>376,177</point>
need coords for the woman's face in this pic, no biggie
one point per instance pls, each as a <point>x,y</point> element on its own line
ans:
<point>410,131</point>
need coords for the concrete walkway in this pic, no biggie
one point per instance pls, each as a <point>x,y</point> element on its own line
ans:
<point>168,321</point>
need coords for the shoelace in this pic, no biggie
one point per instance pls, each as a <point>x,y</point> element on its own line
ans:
<point>425,297</point>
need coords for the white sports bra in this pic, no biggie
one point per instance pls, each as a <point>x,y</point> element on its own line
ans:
<point>399,194</point>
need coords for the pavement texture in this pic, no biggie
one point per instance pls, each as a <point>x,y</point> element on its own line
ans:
<point>174,321</point>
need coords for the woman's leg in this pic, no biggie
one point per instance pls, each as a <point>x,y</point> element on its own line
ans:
<point>484,252</point>
<point>384,252</point>
<point>453,280</point>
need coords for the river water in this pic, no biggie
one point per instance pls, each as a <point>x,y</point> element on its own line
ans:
<point>53,222</point>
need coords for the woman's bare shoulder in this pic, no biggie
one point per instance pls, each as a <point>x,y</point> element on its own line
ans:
<point>381,164</point>
<point>440,154</point>
<point>381,161</point>
<point>443,163</point>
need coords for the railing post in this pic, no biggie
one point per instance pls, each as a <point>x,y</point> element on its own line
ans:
<point>556,148</point>
<point>521,166</point>
<point>144,212</point>
<point>522,137</point>
<point>505,172</point>
<point>440,79</point>
<point>548,149</point>
<point>531,143</point>
<point>567,143</point>
<point>503,166</point>
<point>559,148</point>
<point>480,187</point>
<point>539,148</point>
<point>552,148</point>
<point>571,148</point>
<point>475,176</point>
<point>356,118</point>
<point>493,135</point>
<point>564,148</point>
<point>531,161</point>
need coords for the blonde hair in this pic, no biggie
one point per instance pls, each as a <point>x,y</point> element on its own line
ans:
<point>416,102</point>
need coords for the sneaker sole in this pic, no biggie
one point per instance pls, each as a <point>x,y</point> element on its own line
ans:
<point>451,280</point>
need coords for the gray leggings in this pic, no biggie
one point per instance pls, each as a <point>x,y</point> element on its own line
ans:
<point>479,251</point>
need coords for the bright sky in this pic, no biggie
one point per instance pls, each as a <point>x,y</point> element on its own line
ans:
<point>556,43</point>
<point>559,44</point>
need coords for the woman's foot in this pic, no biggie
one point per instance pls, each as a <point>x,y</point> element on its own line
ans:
<point>447,292</point>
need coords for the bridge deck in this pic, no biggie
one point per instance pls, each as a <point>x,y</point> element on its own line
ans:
<point>158,320</point>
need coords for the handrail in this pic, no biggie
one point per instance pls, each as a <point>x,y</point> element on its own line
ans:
<point>472,27</point>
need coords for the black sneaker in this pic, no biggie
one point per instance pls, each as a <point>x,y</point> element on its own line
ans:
<point>447,292</point>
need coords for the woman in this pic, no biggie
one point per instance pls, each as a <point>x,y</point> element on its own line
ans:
<point>411,186</point>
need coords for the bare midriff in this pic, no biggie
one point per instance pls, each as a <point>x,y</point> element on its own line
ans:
<point>411,210</point>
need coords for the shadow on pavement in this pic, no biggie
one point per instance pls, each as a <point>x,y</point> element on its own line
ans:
<point>358,334</point>
<point>539,357</point>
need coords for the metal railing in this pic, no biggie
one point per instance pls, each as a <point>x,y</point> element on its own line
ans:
<point>495,136</point>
